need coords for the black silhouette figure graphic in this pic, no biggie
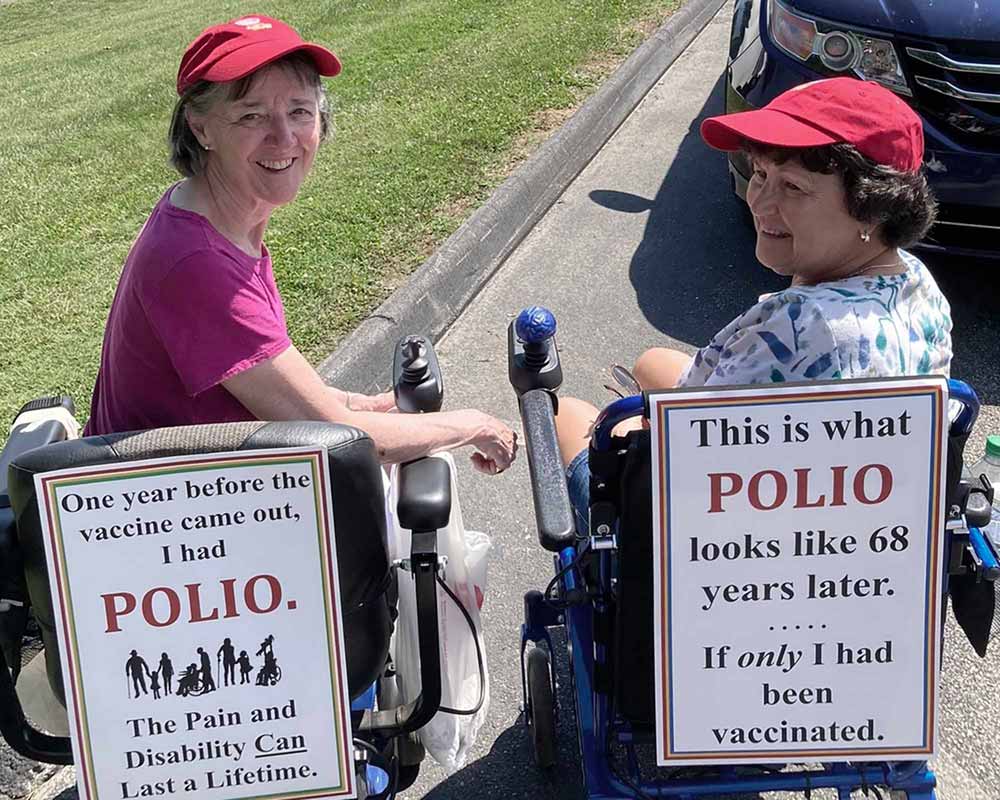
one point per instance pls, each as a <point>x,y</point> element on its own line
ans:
<point>227,653</point>
<point>207,683</point>
<point>167,671</point>
<point>245,667</point>
<point>197,678</point>
<point>136,669</point>
<point>270,673</point>
<point>190,682</point>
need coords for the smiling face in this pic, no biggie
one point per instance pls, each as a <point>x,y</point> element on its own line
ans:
<point>803,226</point>
<point>262,145</point>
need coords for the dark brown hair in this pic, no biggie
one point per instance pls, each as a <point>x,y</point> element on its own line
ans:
<point>899,205</point>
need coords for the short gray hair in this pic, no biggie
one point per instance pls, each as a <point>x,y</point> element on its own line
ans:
<point>187,155</point>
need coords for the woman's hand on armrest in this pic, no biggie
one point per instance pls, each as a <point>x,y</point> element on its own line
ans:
<point>287,387</point>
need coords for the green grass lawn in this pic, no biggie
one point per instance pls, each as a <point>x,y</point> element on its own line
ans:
<point>436,99</point>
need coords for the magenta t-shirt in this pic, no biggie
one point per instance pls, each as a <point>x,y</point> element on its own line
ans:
<point>191,310</point>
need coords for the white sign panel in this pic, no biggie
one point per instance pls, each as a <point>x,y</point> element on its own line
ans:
<point>198,614</point>
<point>798,533</point>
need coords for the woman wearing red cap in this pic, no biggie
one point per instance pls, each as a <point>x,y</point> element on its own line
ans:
<point>197,331</point>
<point>836,193</point>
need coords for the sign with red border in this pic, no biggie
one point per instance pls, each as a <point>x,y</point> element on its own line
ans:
<point>199,620</point>
<point>798,532</point>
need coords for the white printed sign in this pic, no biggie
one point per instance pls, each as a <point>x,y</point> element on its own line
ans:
<point>797,534</point>
<point>198,614</point>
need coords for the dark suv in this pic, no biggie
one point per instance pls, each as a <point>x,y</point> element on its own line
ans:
<point>942,57</point>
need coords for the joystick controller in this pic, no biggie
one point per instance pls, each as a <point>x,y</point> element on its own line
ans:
<point>416,376</point>
<point>533,358</point>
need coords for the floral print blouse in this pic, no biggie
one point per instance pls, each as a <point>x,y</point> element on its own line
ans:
<point>868,326</point>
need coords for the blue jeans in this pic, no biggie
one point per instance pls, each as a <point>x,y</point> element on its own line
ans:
<point>578,483</point>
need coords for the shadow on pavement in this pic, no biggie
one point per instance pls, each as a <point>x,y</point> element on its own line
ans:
<point>973,289</point>
<point>507,772</point>
<point>694,269</point>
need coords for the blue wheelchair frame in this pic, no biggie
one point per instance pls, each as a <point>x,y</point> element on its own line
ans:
<point>599,726</point>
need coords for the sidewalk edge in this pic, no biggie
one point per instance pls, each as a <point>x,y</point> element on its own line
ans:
<point>438,291</point>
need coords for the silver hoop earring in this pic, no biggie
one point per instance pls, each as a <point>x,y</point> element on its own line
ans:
<point>865,236</point>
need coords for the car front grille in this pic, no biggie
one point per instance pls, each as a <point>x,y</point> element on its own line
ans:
<point>957,85</point>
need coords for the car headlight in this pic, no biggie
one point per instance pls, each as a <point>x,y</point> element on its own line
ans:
<point>837,50</point>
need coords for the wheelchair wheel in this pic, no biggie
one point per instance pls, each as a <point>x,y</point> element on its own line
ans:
<point>541,714</point>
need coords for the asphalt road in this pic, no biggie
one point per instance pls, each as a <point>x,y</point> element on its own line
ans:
<point>648,247</point>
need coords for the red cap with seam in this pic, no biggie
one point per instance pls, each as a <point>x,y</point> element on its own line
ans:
<point>836,110</point>
<point>235,49</point>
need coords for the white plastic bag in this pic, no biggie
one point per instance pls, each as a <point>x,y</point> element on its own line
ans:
<point>447,737</point>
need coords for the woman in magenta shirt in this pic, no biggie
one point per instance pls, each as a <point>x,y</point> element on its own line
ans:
<point>197,330</point>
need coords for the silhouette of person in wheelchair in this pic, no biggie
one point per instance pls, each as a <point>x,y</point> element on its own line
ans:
<point>269,673</point>
<point>190,682</point>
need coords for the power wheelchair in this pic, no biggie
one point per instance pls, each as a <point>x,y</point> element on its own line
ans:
<point>387,754</point>
<point>601,599</point>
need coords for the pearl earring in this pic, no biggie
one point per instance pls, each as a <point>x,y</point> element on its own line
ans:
<point>865,236</point>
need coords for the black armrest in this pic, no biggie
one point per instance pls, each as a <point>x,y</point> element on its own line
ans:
<point>424,507</point>
<point>553,512</point>
<point>977,509</point>
<point>424,495</point>
<point>41,422</point>
<point>20,734</point>
<point>28,435</point>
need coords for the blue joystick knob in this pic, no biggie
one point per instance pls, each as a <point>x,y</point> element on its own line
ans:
<point>376,778</point>
<point>534,325</point>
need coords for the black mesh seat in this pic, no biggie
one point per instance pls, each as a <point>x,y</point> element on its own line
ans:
<point>633,635</point>
<point>358,511</point>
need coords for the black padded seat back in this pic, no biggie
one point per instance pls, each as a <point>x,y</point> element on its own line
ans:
<point>358,512</point>
<point>633,636</point>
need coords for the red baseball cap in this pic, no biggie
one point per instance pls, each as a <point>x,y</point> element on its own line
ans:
<point>836,110</point>
<point>237,48</point>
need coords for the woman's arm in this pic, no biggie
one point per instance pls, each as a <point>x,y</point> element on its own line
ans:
<point>287,387</point>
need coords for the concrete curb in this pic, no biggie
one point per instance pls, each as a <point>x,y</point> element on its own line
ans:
<point>439,290</point>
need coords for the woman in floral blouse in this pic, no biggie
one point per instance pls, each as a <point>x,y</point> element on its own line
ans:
<point>837,192</point>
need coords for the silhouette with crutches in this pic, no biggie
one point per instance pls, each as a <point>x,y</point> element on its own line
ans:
<point>207,683</point>
<point>245,667</point>
<point>227,653</point>
<point>136,669</point>
<point>167,671</point>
